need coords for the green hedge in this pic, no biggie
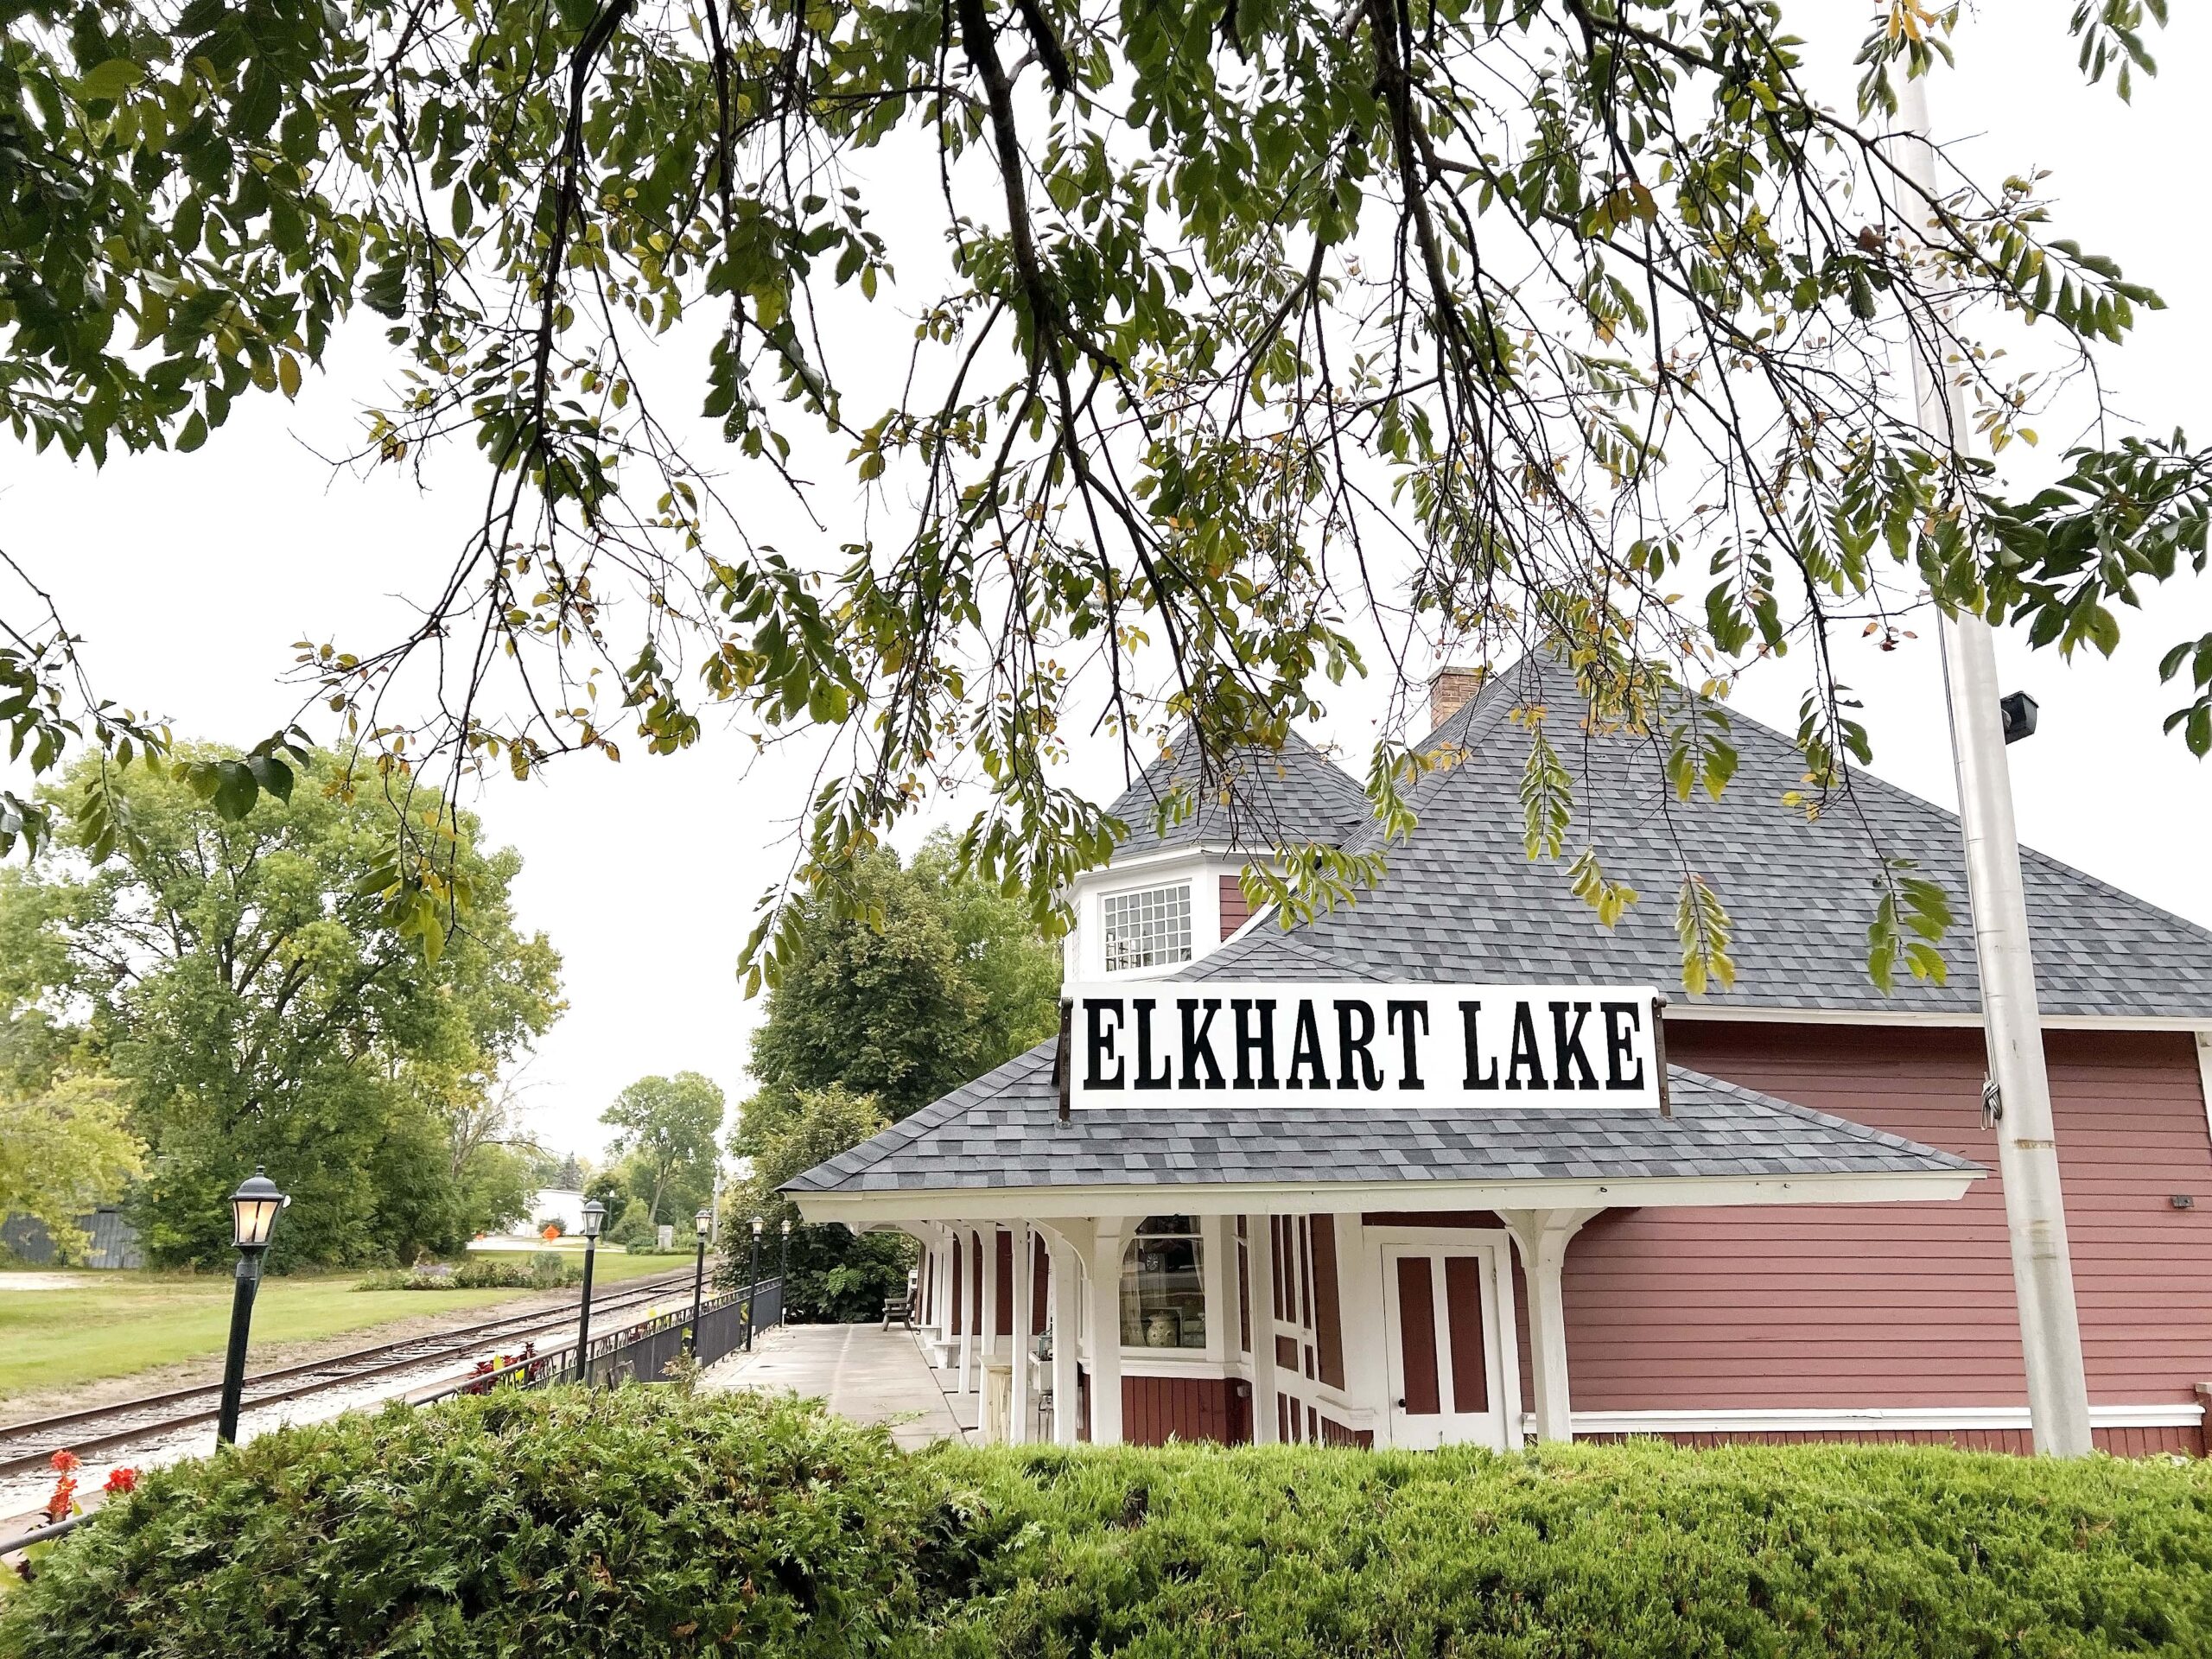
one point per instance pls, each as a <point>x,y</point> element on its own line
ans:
<point>1641,1550</point>
<point>638,1523</point>
<point>625,1522</point>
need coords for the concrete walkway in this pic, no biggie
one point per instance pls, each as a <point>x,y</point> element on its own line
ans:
<point>860,1371</point>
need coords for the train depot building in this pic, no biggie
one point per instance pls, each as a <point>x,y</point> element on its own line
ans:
<point>1436,1166</point>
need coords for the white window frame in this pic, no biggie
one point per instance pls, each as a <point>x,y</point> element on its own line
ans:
<point>1186,887</point>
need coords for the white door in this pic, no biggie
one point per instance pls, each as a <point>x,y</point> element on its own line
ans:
<point>1446,1368</point>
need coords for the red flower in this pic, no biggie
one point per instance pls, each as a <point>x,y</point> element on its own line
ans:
<point>119,1481</point>
<point>63,1462</point>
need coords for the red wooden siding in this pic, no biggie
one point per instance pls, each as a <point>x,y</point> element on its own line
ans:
<point>1328,1325</point>
<point>1906,1305</point>
<point>1155,1409</point>
<point>1040,1285</point>
<point>1002,1294</point>
<point>1235,912</point>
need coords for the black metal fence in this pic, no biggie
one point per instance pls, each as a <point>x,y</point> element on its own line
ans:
<point>645,1351</point>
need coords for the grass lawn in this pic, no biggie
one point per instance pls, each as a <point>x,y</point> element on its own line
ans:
<point>124,1322</point>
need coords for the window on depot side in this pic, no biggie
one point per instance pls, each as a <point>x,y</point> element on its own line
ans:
<point>1163,1285</point>
<point>1149,928</point>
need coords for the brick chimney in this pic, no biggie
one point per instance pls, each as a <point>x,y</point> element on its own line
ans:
<point>1449,689</point>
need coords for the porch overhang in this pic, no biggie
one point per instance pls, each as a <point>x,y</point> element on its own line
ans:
<point>1198,1196</point>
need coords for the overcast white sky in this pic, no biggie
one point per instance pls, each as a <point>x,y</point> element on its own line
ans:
<point>192,576</point>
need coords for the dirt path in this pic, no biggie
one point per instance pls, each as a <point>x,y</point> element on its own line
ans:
<point>267,1357</point>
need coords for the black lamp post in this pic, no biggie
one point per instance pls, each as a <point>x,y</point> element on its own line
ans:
<point>753,1284</point>
<point>783,1268</point>
<point>594,1213</point>
<point>703,1223</point>
<point>254,1208</point>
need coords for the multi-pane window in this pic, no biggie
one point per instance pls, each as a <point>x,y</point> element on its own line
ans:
<point>1149,928</point>
<point>1163,1285</point>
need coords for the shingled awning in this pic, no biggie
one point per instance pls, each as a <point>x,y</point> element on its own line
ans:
<point>999,1148</point>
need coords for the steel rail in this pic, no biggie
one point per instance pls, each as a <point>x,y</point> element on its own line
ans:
<point>334,1372</point>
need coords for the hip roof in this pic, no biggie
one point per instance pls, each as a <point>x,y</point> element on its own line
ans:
<point>1461,899</point>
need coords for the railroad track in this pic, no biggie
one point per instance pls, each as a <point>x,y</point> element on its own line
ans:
<point>29,1444</point>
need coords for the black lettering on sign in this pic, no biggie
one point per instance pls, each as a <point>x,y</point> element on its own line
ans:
<point>1477,1077</point>
<point>1306,1050</point>
<point>1361,1015</point>
<point>1397,1013</point>
<point>1525,1056</point>
<point>1098,1042</point>
<point>1620,1044</point>
<point>1250,1042</point>
<point>1147,1079</point>
<point>1198,1042</point>
<point>1567,1047</point>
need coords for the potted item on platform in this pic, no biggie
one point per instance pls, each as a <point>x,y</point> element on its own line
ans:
<point>1163,1330</point>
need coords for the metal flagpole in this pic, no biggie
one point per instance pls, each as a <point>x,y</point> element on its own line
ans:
<point>2027,1145</point>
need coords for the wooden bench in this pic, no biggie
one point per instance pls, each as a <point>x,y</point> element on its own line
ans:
<point>897,1307</point>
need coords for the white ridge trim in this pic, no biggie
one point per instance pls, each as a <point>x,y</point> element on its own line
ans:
<point>1871,1419</point>
<point>2204,1074</point>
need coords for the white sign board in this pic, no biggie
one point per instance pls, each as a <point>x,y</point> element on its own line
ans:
<point>1285,1044</point>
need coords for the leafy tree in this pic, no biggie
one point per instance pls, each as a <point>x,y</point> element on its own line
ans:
<point>609,1189</point>
<point>1582,304</point>
<point>245,983</point>
<point>668,1128</point>
<point>942,978</point>
<point>63,1152</point>
<point>836,1275</point>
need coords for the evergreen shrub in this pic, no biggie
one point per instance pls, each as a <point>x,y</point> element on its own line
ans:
<point>633,1521</point>
<point>1639,1551</point>
<point>640,1522</point>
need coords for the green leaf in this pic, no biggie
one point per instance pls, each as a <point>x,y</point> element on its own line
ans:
<point>108,81</point>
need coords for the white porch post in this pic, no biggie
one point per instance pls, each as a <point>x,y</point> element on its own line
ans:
<point>968,1295</point>
<point>928,1320</point>
<point>1260,1249</point>
<point>1541,1236</point>
<point>941,1295</point>
<point>1025,1271</point>
<point>990,1261</point>
<point>1067,1324</point>
<point>1106,1330</point>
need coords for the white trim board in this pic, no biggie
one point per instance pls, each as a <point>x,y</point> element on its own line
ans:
<point>2204,1074</point>
<point>979,1205</point>
<point>1866,1418</point>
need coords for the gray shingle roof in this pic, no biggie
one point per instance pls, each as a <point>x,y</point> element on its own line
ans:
<point>1462,901</point>
<point>1003,1130</point>
<point>1266,798</point>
